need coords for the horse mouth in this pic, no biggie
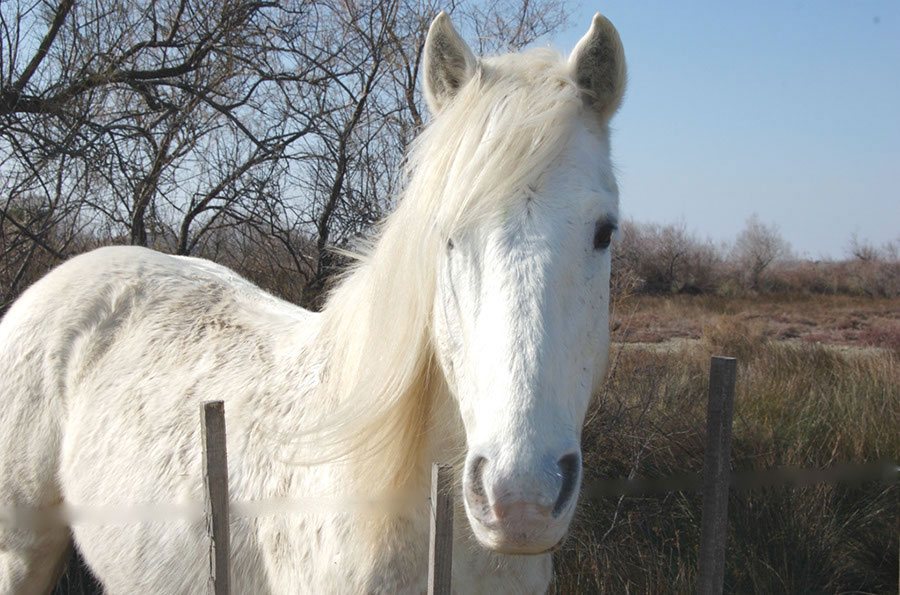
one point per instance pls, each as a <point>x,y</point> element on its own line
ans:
<point>525,549</point>
<point>527,541</point>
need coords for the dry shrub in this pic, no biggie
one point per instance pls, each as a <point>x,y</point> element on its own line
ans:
<point>756,250</point>
<point>668,258</point>
<point>850,277</point>
<point>671,259</point>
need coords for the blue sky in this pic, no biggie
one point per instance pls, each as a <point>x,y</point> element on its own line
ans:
<point>790,110</point>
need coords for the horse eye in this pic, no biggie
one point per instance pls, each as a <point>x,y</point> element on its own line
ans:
<point>603,235</point>
<point>450,244</point>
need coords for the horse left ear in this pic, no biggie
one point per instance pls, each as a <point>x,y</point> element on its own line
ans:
<point>598,65</point>
<point>448,63</point>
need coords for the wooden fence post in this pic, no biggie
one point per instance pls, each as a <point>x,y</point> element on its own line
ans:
<point>716,471</point>
<point>440,543</point>
<point>215,495</point>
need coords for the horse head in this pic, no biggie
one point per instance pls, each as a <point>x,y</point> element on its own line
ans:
<point>521,300</point>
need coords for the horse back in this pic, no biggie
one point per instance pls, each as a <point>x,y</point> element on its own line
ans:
<point>105,361</point>
<point>126,329</point>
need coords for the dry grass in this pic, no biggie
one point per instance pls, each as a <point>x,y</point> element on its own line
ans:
<point>799,403</point>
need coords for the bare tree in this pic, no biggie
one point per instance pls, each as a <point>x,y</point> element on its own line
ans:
<point>214,127</point>
<point>142,122</point>
<point>862,249</point>
<point>667,258</point>
<point>756,248</point>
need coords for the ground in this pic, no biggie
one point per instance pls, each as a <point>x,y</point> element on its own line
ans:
<point>830,320</point>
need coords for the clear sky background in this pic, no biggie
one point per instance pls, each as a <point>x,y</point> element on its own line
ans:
<point>790,110</point>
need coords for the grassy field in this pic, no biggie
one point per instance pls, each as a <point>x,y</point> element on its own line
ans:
<point>818,384</point>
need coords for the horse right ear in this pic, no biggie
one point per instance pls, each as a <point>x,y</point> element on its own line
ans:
<point>598,65</point>
<point>448,63</point>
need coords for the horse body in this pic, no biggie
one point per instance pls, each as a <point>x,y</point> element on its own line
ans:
<point>205,334</point>
<point>471,332</point>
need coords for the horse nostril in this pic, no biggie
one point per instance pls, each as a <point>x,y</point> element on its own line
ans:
<point>570,470</point>
<point>474,476</point>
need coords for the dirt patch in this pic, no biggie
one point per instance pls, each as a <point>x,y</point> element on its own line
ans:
<point>828,320</point>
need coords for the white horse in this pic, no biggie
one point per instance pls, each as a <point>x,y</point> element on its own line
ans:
<point>474,330</point>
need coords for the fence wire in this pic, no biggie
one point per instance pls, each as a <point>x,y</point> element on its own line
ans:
<point>887,472</point>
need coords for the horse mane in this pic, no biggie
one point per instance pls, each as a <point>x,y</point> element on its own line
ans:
<point>488,147</point>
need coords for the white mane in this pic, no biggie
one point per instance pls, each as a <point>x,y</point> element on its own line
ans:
<point>491,143</point>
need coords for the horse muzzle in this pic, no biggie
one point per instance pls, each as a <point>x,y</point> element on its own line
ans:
<point>521,508</point>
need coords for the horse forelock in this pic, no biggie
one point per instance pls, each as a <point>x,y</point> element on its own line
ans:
<point>493,141</point>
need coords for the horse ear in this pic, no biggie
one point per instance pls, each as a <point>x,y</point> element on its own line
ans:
<point>448,63</point>
<point>598,65</point>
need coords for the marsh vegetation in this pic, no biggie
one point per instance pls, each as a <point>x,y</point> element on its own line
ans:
<point>818,385</point>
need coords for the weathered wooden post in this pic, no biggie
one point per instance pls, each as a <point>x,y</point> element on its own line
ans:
<point>716,471</point>
<point>440,544</point>
<point>215,495</point>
